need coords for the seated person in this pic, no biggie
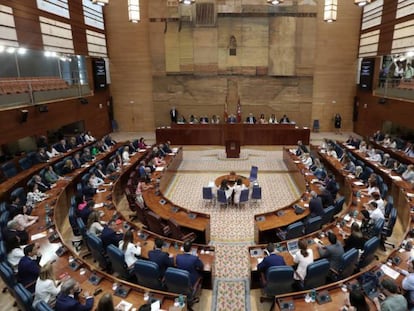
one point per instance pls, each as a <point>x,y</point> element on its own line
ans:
<point>273,119</point>
<point>262,119</point>
<point>367,226</point>
<point>271,260</point>
<point>378,136</point>
<point>362,147</point>
<point>408,175</point>
<point>307,160</point>
<point>204,120</point>
<point>50,175</point>
<point>394,300</point>
<point>52,152</point>
<point>326,197</point>
<point>110,236</point>
<point>331,152</point>
<point>356,238</point>
<point>355,301</point>
<point>159,161</point>
<point>131,251</point>
<point>17,207</point>
<point>88,137</point>
<point>100,172</point>
<point>387,162</point>
<point>68,167</point>
<point>109,141</point>
<point>125,155</point>
<point>159,257</point>
<point>112,167</point>
<point>215,119</point>
<point>332,252</point>
<point>68,299</point>
<point>86,156</point>
<point>89,190</point>
<point>14,252</point>
<point>189,262</point>
<point>47,288</point>
<point>41,156</point>
<point>372,187</point>
<point>61,146</point>
<point>251,119</point>
<point>315,205</point>
<point>95,181</point>
<point>358,172</point>
<point>40,184</point>
<point>376,197</point>
<point>193,119</point>
<point>232,119</point>
<point>226,188</point>
<point>94,225</point>
<point>284,119</point>
<point>374,156</point>
<point>15,231</point>
<point>374,212</point>
<point>28,268</point>
<point>348,165</point>
<point>302,258</point>
<point>25,221</point>
<point>237,191</point>
<point>34,196</point>
<point>72,143</point>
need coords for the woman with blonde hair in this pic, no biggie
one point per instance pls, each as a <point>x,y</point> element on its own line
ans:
<point>94,225</point>
<point>46,286</point>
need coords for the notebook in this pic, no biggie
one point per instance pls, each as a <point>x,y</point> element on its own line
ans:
<point>293,247</point>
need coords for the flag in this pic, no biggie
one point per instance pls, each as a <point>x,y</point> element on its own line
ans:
<point>226,115</point>
<point>239,115</point>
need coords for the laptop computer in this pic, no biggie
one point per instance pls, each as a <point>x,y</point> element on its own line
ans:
<point>293,247</point>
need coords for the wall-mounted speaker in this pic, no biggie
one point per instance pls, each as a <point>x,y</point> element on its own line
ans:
<point>23,115</point>
<point>83,101</point>
<point>43,108</point>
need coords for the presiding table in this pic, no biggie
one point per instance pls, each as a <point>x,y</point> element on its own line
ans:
<point>244,134</point>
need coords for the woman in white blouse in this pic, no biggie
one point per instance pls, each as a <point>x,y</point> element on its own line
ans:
<point>131,250</point>
<point>303,258</point>
<point>46,286</point>
<point>52,152</point>
<point>94,225</point>
<point>35,196</point>
<point>95,181</point>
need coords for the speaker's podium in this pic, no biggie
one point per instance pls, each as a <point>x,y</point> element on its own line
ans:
<point>233,148</point>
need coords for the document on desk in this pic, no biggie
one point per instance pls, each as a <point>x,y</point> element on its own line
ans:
<point>39,235</point>
<point>159,169</point>
<point>396,178</point>
<point>124,306</point>
<point>259,260</point>
<point>358,183</point>
<point>98,205</point>
<point>390,272</point>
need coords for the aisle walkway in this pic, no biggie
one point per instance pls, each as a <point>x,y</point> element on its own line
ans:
<point>232,229</point>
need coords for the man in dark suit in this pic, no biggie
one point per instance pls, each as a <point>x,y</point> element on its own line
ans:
<point>301,149</point>
<point>284,119</point>
<point>61,146</point>
<point>270,260</point>
<point>189,262</point>
<point>326,197</point>
<point>251,119</point>
<point>332,252</point>
<point>173,115</point>
<point>162,259</point>
<point>41,156</point>
<point>15,231</point>
<point>68,299</point>
<point>315,205</point>
<point>232,119</point>
<point>28,268</point>
<point>40,184</point>
<point>109,235</point>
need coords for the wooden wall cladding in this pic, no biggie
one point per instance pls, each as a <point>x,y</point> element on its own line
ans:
<point>60,113</point>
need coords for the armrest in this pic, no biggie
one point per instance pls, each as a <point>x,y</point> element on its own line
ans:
<point>334,271</point>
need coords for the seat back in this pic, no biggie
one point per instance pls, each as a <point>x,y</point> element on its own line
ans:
<point>7,275</point>
<point>244,196</point>
<point>349,263</point>
<point>24,298</point>
<point>97,250</point>
<point>148,274</point>
<point>383,190</point>
<point>43,306</point>
<point>141,214</point>
<point>370,248</point>
<point>19,192</point>
<point>339,204</point>
<point>316,274</point>
<point>9,169</point>
<point>389,227</point>
<point>73,222</point>
<point>154,223</point>
<point>117,260</point>
<point>25,163</point>
<point>295,230</point>
<point>58,167</point>
<point>256,193</point>
<point>279,280</point>
<point>4,219</point>
<point>313,224</point>
<point>221,197</point>
<point>379,225</point>
<point>207,193</point>
<point>82,227</point>
<point>329,214</point>
<point>253,173</point>
<point>178,281</point>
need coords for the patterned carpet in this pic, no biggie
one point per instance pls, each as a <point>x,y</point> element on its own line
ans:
<point>232,229</point>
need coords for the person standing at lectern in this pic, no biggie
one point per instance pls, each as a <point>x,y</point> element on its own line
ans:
<point>173,114</point>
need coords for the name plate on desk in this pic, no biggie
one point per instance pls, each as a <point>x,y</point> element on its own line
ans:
<point>323,297</point>
<point>192,216</point>
<point>122,291</point>
<point>280,213</point>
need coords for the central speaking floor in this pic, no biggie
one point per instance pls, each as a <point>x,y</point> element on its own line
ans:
<point>232,228</point>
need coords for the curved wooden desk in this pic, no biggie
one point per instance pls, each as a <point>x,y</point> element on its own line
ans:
<point>334,289</point>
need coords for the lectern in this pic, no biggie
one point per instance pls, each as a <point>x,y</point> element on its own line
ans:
<point>233,148</point>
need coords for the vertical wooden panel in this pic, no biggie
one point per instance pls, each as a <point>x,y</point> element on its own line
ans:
<point>172,48</point>
<point>282,46</point>
<point>387,27</point>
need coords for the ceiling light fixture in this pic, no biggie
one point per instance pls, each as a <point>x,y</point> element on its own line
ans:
<point>362,2</point>
<point>275,2</point>
<point>186,2</point>
<point>100,2</point>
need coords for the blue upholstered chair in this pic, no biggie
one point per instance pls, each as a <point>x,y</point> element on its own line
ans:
<point>244,197</point>
<point>97,250</point>
<point>277,280</point>
<point>208,195</point>
<point>329,214</point>
<point>148,274</point>
<point>43,306</point>
<point>9,169</point>
<point>292,231</point>
<point>179,281</point>
<point>24,298</point>
<point>316,274</point>
<point>256,194</point>
<point>117,260</point>
<point>253,173</point>
<point>221,198</point>
<point>313,224</point>
<point>368,254</point>
<point>348,265</point>
<point>339,204</point>
<point>25,163</point>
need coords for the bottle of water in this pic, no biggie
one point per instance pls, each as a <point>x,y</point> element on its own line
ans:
<point>358,195</point>
<point>313,295</point>
<point>181,300</point>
